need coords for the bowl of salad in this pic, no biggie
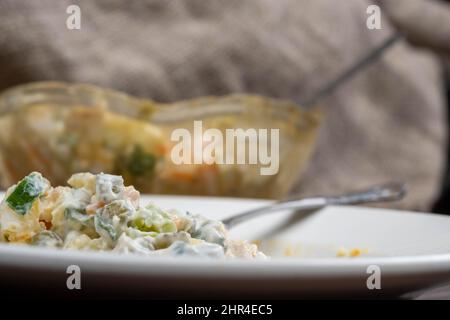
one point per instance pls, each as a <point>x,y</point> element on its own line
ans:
<point>60,129</point>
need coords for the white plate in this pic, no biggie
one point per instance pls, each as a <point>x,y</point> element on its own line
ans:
<point>411,250</point>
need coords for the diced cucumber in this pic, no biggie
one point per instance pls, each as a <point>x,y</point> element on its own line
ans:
<point>26,192</point>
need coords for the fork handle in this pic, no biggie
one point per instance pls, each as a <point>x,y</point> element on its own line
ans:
<point>382,193</point>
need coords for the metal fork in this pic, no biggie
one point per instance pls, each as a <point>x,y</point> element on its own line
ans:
<point>381,193</point>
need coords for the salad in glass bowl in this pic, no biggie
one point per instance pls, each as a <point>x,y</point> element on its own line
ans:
<point>60,129</point>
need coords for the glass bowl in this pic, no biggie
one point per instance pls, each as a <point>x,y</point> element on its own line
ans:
<point>61,128</point>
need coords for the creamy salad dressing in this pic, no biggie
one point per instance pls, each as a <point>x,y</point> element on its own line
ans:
<point>99,213</point>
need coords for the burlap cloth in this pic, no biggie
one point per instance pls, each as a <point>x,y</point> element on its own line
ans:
<point>388,123</point>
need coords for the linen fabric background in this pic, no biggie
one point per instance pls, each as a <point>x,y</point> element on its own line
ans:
<point>387,123</point>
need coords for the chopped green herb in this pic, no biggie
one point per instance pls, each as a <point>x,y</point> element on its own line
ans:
<point>140,162</point>
<point>79,216</point>
<point>26,192</point>
<point>104,218</point>
<point>103,225</point>
<point>47,239</point>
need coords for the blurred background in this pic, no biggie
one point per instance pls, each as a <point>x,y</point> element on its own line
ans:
<point>389,122</point>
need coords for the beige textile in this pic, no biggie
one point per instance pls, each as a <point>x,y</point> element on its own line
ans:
<point>388,123</point>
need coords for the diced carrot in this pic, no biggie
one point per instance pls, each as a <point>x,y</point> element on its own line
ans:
<point>162,148</point>
<point>48,224</point>
<point>91,208</point>
<point>182,175</point>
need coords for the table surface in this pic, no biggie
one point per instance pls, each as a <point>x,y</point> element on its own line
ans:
<point>438,293</point>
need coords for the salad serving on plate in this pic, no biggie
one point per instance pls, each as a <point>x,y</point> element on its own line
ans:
<point>99,213</point>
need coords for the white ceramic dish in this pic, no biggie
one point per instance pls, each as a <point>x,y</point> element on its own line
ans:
<point>411,250</point>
